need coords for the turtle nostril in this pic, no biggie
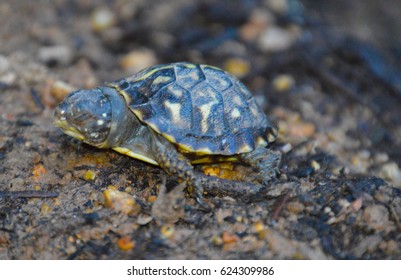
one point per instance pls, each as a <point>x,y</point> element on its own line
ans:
<point>60,111</point>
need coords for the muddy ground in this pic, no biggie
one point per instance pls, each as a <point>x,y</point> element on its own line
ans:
<point>335,95</point>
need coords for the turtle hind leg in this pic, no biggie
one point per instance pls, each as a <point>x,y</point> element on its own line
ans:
<point>265,161</point>
<point>176,164</point>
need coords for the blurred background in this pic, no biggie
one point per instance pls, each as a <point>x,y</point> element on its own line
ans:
<point>118,33</point>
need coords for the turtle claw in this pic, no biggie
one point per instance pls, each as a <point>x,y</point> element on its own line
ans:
<point>266,176</point>
<point>196,190</point>
<point>203,205</point>
<point>266,162</point>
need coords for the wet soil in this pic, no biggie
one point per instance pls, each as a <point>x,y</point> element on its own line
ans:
<point>335,98</point>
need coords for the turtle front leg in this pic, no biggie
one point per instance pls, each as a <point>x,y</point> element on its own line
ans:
<point>265,161</point>
<point>175,163</point>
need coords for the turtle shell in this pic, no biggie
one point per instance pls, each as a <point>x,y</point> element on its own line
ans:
<point>200,108</point>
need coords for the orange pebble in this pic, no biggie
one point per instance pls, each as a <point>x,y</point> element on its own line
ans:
<point>229,238</point>
<point>38,170</point>
<point>125,243</point>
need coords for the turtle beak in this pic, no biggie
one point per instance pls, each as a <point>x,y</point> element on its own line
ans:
<point>60,121</point>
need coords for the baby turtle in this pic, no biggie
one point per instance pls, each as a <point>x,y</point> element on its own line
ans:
<point>174,115</point>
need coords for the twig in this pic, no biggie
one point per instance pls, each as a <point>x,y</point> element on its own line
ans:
<point>28,194</point>
<point>279,205</point>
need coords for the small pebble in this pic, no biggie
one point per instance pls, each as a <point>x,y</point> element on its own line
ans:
<point>390,247</point>
<point>278,6</point>
<point>102,19</point>
<point>356,204</point>
<point>125,243</point>
<point>121,201</point>
<point>381,157</point>
<point>302,129</point>
<point>38,171</point>
<point>377,217</point>
<point>286,148</point>
<point>258,226</point>
<point>45,209</point>
<point>344,203</point>
<point>137,60</point>
<point>284,82</point>
<point>239,67</point>
<point>60,89</point>
<point>167,231</point>
<point>128,189</point>
<point>5,64</point>
<point>331,220</point>
<point>256,24</point>
<point>90,175</point>
<point>295,207</point>
<point>315,165</point>
<point>217,240</point>
<point>56,54</point>
<point>360,162</point>
<point>229,238</point>
<point>8,78</point>
<point>260,229</point>
<point>275,39</point>
<point>239,219</point>
<point>391,171</point>
<point>143,219</point>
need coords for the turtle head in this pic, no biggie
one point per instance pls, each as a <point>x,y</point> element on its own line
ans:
<point>86,115</point>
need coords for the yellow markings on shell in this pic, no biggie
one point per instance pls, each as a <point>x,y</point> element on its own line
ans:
<point>223,83</point>
<point>275,132</point>
<point>132,154</point>
<point>161,79</point>
<point>270,137</point>
<point>175,111</point>
<point>185,148</point>
<point>153,126</point>
<point>194,75</point>
<point>138,113</point>
<point>150,73</point>
<point>189,65</point>
<point>213,67</point>
<point>261,142</point>
<point>235,113</point>
<point>176,92</point>
<point>254,111</point>
<point>245,149</point>
<point>237,100</point>
<point>205,110</point>
<point>204,151</point>
<point>169,138</point>
<point>126,96</point>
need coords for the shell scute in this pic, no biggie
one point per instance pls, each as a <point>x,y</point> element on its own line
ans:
<point>189,77</point>
<point>218,78</point>
<point>200,108</point>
